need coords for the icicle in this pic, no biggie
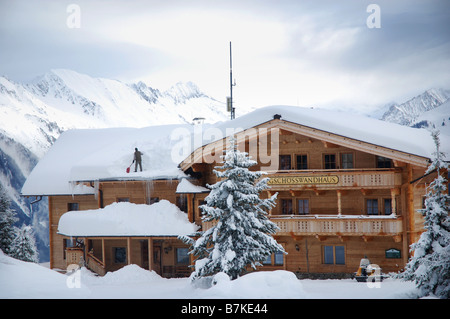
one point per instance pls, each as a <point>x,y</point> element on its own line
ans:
<point>73,184</point>
<point>148,190</point>
<point>96,188</point>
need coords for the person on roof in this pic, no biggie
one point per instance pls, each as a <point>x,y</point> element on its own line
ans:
<point>137,159</point>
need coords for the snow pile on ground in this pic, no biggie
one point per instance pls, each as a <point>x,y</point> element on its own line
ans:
<point>279,284</point>
<point>19,279</point>
<point>23,280</point>
<point>127,219</point>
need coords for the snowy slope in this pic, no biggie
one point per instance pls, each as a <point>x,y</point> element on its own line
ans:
<point>438,118</point>
<point>408,112</point>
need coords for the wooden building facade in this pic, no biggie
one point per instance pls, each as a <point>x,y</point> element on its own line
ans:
<point>340,198</point>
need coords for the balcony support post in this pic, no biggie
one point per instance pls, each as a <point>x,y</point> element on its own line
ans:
<point>339,202</point>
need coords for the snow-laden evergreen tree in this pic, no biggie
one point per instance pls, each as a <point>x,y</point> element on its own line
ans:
<point>429,268</point>
<point>242,235</point>
<point>24,245</point>
<point>7,220</point>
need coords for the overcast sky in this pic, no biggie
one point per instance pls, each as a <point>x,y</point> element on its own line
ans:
<point>307,53</point>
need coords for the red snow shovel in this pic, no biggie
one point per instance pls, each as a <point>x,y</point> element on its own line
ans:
<point>128,168</point>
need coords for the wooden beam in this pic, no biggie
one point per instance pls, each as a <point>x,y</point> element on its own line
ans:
<point>339,204</point>
<point>129,250</point>
<point>329,145</point>
<point>150,253</point>
<point>296,237</point>
<point>343,238</point>
<point>367,238</point>
<point>321,238</point>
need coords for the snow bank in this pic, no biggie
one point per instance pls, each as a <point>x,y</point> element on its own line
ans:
<point>23,280</point>
<point>127,219</point>
<point>19,279</point>
<point>258,285</point>
<point>130,274</point>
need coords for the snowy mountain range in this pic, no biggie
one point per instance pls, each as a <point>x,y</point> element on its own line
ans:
<point>33,115</point>
<point>411,112</point>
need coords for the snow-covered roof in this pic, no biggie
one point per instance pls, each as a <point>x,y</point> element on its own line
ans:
<point>127,219</point>
<point>186,187</point>
<point>354,126</point>
<point>104,154</point>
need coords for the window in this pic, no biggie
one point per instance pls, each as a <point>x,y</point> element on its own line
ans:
<point>73,206</point>
<point>123,199</point>
<point>286,206</point>
<point>340,255</point>
<point>387,206</point>
<point>383,162</point>
<point>182,203</point>
<point>334,255</point>
<point>347,160</point>
<point>393,253</point>
<point>330,161</point>
<point>285,162</point>
<point>328,256</point>
<point>303,206</point>
<point>302,162</point>
<point>279,258</point>
<point>182,256</point>
<point>372,206</point>
<point>120,255</point>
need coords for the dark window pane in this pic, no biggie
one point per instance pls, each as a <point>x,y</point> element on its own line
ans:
<point>328,257</point>
<point>340,255</point>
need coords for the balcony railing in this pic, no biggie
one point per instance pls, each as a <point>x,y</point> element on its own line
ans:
<point>334,225</point>
<point>74,255</point>
<point>339,178</point>
<point>343,225</point>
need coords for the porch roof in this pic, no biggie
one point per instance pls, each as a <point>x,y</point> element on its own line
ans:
<point>127,219</point>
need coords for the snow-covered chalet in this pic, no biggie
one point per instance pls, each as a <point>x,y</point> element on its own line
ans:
<point>348,186</point>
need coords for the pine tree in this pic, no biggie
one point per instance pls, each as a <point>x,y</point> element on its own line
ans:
<point>242,235</point>
<point>7,220</point>
<point>24,245</point>
<point>429,268</point>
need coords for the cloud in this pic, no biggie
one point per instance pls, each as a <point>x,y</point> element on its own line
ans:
<point>284,52</point>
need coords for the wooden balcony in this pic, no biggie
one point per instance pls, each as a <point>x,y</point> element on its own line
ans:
<point>340,225</point>
<point>74,255</point>
<point>335,179</point>
<point>335,225</point>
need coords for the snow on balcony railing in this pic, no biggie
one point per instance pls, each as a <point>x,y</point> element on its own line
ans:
<point>351,225</point>
<point>344,225</point>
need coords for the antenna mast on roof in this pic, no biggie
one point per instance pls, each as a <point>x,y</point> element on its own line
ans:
<point>230,107</point>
